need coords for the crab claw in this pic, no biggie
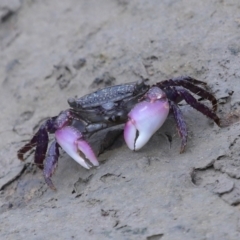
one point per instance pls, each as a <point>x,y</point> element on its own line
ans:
<point>146,118</point>
<point>71,141</point>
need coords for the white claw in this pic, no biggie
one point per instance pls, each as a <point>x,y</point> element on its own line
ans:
<point>130,133</point>
<point>70,139</point>
<point>144,120</point>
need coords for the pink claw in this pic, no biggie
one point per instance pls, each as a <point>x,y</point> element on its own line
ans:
<point>70,139</point>
<point>146,118</point>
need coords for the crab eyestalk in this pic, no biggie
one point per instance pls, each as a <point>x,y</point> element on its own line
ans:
<point>146,118</point>
<point>72,142</point>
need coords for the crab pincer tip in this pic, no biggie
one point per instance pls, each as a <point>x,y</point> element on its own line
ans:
<point>130,133</point>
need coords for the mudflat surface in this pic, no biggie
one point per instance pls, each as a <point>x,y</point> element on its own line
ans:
<point>52,50</point>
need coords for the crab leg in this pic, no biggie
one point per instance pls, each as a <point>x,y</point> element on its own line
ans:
<point>199,106</point>
<point>27,147</point>
<point>181,125</point>
<point>199,91</point>
<point>146,118</point>
<point>72,142</point>
<point>188,83</point>
<point>41,149</point>
<point>40,140</point>
<point>50,164</point>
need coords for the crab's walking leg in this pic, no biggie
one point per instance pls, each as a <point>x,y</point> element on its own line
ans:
<point>199,106</point>
<point>189,79</point>
<point>50,164</point>
<point>40,140</point>
<point>27,147</point>
<point>188,83</point>
<point>181,125</point>
<point>41,149</point>
<point>199,91</point>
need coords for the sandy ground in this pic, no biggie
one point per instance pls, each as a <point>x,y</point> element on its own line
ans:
<point>51,50</point>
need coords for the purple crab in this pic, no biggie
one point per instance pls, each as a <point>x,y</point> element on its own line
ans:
<point>142,108</point>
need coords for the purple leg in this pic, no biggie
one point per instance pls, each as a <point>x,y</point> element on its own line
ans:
<point>41,148</point>
<point>199,106</point>
<point>27,147</point>
<point>189,79</point>
<point>40,140</point>
<point>188,83</point>
<point>200,92</point>
<point>177,80</point>
<point>50,164</point>
<point>181,125</point>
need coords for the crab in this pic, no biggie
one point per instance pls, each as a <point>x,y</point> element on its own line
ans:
<point>141,107</point>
